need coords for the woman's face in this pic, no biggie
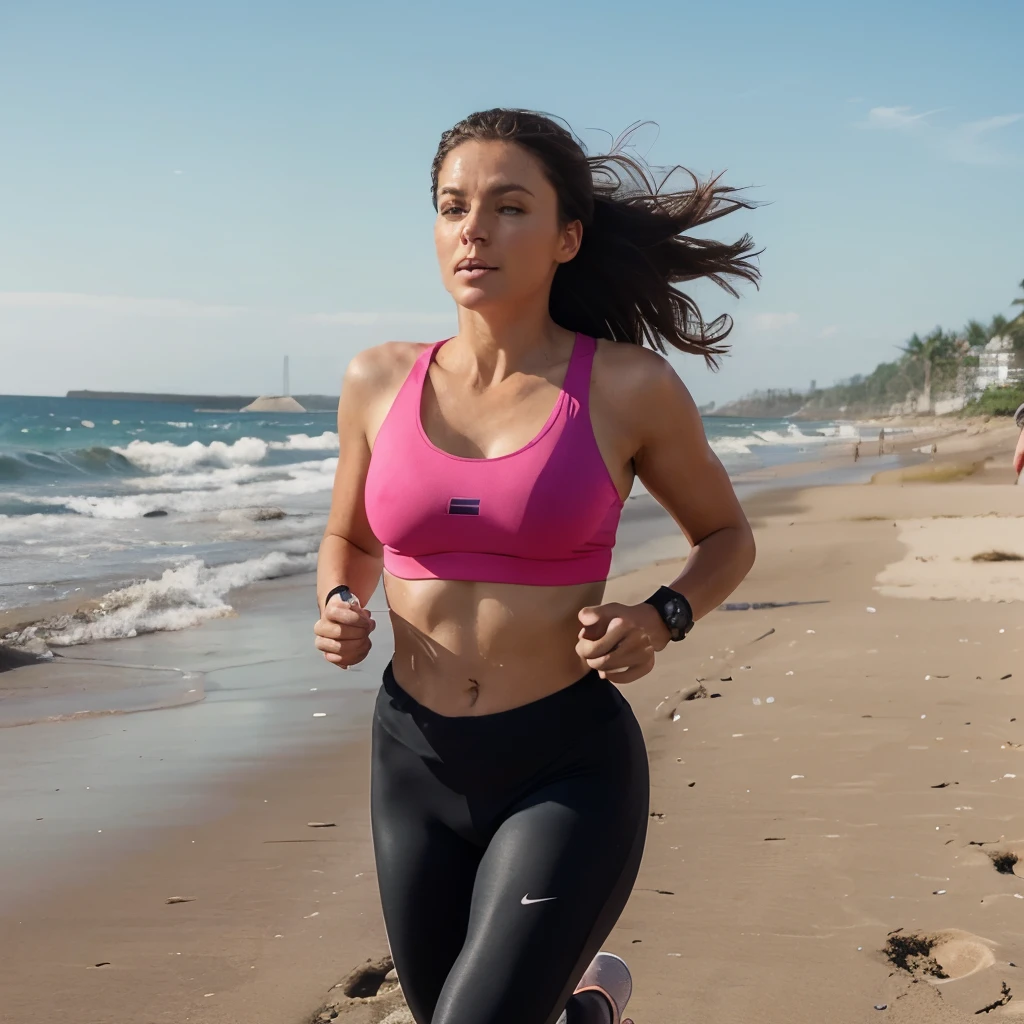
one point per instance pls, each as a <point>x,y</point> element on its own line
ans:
<point>497,233</point>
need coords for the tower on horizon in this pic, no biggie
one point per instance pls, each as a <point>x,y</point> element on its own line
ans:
<point>277,403</point>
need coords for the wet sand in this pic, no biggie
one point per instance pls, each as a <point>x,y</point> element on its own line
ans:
<point>784,835</point>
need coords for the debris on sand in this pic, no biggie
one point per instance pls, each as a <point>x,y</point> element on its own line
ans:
<point>997,556</point>
<point>1004,861</point>
<point>1006,997</point>
<point>749,606</point>
<point>912,954</point>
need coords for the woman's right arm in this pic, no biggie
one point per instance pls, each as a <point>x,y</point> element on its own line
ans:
<point>349,552</point>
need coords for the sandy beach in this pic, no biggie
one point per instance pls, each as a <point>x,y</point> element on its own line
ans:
<point>835,810</point>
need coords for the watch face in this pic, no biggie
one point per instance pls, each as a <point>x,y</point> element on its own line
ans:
<point>674,611</point>
<point>674,615</point>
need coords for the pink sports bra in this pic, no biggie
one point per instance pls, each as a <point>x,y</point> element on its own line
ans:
<point>544,515</point>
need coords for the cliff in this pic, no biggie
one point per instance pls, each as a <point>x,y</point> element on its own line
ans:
<point>763,405</point>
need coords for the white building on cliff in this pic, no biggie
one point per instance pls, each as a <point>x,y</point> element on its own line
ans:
<point>996,364</point>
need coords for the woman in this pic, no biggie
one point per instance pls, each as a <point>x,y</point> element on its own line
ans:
<point>485,475</point>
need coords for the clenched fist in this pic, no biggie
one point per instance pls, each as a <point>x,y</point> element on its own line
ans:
<point>343,633</point>
<point>620,640</point>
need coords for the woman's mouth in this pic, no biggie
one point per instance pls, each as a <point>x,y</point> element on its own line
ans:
<point>473,273</point>
<point>472,268</point>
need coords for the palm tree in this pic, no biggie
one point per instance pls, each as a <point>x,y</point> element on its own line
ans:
<point>976,333</point>
<point>998,325</point>
<point>937,345</point>
<point>1015,328</point>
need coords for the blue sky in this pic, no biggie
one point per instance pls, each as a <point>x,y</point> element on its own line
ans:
<point>188,191</point>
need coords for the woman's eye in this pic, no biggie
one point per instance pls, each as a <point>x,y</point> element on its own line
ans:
<point>460,210</point>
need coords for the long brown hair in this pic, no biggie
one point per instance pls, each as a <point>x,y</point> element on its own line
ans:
<point>621,283</point>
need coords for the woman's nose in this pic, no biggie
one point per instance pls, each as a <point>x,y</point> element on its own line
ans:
<point>474,228</point>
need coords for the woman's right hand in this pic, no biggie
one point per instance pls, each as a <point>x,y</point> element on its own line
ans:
<point>343,633</point>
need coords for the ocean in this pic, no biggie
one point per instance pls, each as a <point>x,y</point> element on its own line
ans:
<point>140,517</point>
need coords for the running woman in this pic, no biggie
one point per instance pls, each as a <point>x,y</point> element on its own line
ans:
<point>485,475</point>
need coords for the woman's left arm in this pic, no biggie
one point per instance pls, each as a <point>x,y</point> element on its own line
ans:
<point>677,466</point>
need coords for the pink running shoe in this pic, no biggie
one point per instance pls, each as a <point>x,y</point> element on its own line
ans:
<point>609,975</point>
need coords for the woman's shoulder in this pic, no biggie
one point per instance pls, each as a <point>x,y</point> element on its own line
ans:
<point>637,390</point>
<point>384,364</point>
<point>630,372</point>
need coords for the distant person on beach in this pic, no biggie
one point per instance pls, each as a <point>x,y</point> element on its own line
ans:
<point>485,475</point>
<point>1018,455</point>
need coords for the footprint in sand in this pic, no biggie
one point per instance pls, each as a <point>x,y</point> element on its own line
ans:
<point>1005,855</point>
<point>940,958</point>
<point>369,993</point>
<point>1007,859</point>
<point>960,955</point>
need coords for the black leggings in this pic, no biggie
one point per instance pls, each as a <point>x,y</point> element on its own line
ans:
<point>506,847</point>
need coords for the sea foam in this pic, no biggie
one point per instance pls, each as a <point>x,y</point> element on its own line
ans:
<point>327,442</point>
<point>184,596</point>
<point>168,457</point>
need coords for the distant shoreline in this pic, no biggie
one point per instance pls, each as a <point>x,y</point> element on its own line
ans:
<point>219,403</point>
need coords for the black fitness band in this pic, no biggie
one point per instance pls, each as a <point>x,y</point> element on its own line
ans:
<point>341,590</point>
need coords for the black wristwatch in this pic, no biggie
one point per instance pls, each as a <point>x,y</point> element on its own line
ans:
<point>675,611</point>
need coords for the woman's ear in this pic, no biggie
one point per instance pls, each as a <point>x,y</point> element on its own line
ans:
<point>572,239</point>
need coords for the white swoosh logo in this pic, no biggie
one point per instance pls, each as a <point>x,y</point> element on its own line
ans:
<point>526,899</point>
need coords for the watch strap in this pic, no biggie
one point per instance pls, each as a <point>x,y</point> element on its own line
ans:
<point>669,603</point>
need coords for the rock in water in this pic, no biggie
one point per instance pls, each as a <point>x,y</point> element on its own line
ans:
<point>156,513</point>
<point>262,515</point>
<point>16,657</point>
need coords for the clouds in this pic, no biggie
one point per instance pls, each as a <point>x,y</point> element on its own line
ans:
<point>896,118</point>
<point>118,304</point>
<point>355,319</point>
<point>124,343</point>
<point>770,322</point>
<point>968,142</point>
<point>181,309</point>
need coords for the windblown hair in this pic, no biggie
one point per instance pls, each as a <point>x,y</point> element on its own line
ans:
<point>634,251</point>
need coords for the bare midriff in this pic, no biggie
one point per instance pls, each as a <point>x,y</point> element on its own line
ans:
<point>468,648</point>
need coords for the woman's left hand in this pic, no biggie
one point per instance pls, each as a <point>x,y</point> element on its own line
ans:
<point>620,640</point>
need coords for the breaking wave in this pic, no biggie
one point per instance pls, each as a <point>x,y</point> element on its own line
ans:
<point>184,596</point>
